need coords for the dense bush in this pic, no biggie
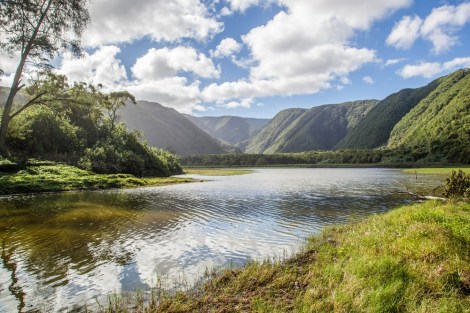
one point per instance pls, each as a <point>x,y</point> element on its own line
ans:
<point>77,124</point>
<point>458,185</point>
<point>122,151</point>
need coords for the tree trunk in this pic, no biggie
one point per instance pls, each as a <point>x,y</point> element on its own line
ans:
<point>8,104</point>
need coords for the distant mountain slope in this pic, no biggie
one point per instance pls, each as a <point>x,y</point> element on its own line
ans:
<point>440,123</point>
<point>319,128</point>
<point>322,127</point>
<point>271,132</point>
<point>374,130</point>
<point>166,128</point>
<point>229,129</point>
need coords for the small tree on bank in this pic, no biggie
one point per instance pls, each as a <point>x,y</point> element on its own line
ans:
<point>37,29</point>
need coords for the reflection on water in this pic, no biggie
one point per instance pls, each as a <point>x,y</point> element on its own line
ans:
<point>62,250</point>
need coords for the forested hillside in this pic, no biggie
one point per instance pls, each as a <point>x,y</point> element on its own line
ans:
<point>439,125</point>
<point>374,130</point>
<point>231,130</point>
<point>271,132</point>
<point>319,128</point>
<point>166,128</point>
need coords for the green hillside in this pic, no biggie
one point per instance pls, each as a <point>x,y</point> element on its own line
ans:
<point>270,133</point>
<point>374,130</point>
<point>440,124</point>
<point>166,128</point>
<point>322,127</point>
<point>229,129</point>
<point>319,128</point>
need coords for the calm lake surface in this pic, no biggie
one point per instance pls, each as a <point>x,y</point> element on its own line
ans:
<point>65,250</point>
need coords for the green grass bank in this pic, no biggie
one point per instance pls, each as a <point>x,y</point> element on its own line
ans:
<point>216,171</point>
<point>412,259</point>
<point>51,177</point>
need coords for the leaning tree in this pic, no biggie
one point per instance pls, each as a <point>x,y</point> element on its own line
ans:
<point>37,30</point>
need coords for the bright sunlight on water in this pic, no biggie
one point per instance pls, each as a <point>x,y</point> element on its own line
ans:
<point>73,249</point>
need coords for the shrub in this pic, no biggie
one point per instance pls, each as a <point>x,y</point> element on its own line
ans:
<point>458,185</point>
<point>121,151</point>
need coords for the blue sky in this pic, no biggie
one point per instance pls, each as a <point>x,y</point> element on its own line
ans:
<point>254,58</point>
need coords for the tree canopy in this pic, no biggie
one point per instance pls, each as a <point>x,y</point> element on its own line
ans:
<point>37,29</point>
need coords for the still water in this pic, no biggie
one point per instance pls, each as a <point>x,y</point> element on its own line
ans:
<point>60,251</point>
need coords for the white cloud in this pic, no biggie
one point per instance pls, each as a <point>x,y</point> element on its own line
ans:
<point>429,70</point>
<point>393,61</point>
<point>243,103</point>
<point>101,67</point>
<point>161,63</point>
<point>116,21</point>
<point>227,47</point>
<point>175,92</point>
<point>9,63</point>
<point>367,80</point>
<point>304,48</point>
<point>439,27</point>
<point>405,32</point>
<point>242,5</point>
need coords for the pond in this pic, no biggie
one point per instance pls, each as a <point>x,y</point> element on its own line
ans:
<point>66,250</point>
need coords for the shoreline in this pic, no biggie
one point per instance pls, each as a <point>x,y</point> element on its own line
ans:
<point>412,258</point>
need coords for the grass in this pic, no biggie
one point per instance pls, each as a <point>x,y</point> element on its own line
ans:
<point>216,171</point>
<point>437,170</point>
<point>412,259</point>
<point>50,177</point>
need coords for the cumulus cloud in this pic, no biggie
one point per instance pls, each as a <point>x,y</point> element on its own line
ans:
<point>227,47</point>
<point>367,80</point>
<point>116,21</point>
<point>393,61</point>
<point>243,103</point>
<point>175,92</point>
<point>439,27</point>
<point>101,67</point>
<point>431,69</point>
<point>304,48</point>
<point>405,32</point>
<point>161,63</point>
<point>242,5</point>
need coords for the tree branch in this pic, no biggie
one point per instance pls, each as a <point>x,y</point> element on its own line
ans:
<point>28,104</point>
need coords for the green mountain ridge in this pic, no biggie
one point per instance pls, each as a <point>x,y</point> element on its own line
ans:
<point>319,128</point>
<point>273,130</point>
<point>440,124</point>
<point>374,129</point>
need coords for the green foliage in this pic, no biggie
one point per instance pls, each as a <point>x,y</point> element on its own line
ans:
<point>314,158</point>
<point>123,152</point>
<point>72,127</point>
<point>43,131</point>
<point>457,185</point>
<point>439,125</point>
<point>374,130</point>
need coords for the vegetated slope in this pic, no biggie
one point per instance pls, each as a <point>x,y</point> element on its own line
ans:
<point>269,133</point>
<point>229,129</point>
<point>440,124</point>
<point>374,130</point>
<point>319,128</point>
<point>166,128</point>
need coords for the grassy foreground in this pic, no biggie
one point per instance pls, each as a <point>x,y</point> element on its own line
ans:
<point>437,170</point>
<point>60,177</point>
<point>216,171</point>
<point>412,259</point>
